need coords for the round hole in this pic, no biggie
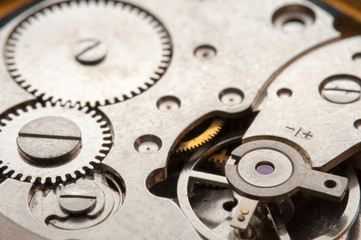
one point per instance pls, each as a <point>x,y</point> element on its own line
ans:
<point>265,168</point>
<point>357,124</point>
<point>293,25</point>
<point>231,97</point>
<point>293,18</point>
<point>284,93</point>
<point>148,144</point>
<point>168,104</point>
<point>205,52</point>
<point>357,57</point>
<point>228,206</point>
<point>330,184</point>
<point>341,89</point>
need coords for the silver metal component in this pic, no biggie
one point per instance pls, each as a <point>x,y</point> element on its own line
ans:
<point>293,174</point>
<point>243,214</point>
<point>85,203</point>
<point>200,205</point>
<point>133,57</point>
<point>250,52</point>
<point>255,166</point>
<point>90,51</point>
<point>324,130</point>
<point>341,89</point>
<point>93,128</point>
<point>77,199</point>
<point>49,140</point>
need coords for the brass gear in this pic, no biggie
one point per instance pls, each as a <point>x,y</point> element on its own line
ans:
<point>219,157</point>
<point>212,130</point>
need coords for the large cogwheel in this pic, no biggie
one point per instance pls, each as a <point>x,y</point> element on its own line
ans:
<point>88,52</point>
<point>50,143</point>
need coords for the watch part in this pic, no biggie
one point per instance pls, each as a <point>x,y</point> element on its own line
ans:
<point>50,143</point>
<point>90,62</point>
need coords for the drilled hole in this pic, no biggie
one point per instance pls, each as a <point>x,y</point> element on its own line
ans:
<point>357,124</point>
<point>168,104</point>
<point>205,52</point>
<point>265,168</point>
<point>228,206</point>
<point>231,97</point>
<point>284,93</point>
<point>148,144</point>
<point>330,184</point>
<point>293,18</point>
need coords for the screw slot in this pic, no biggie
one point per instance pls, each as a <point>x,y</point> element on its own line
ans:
<point>284,93</point>
<point>293,18</point>
<point>341,89</point>
<point>330,184</point>
<point>148,144</point>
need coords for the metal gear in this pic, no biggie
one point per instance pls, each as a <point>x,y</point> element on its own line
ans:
<point>212,130</point>
<point>88,56</point>
<point>219,157</point>
<point>50,143</point>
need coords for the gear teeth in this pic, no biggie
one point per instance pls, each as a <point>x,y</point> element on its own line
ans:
<point>7,171</point>
<point>214,128</point>
<point>97,118</point>
<point>54,8</point>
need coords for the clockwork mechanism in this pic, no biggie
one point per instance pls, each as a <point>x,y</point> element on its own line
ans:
<point>182,119</point>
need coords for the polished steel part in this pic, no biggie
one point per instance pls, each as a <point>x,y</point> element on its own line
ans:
<point>324,124</point>
<point>104,63</point>
<point>205,208</point>
<point>79,205</point>
<point>220,58</point>
<point>77,199</point>
<point>41,162</point>
<point>49,140</point>
<point>293,174</point>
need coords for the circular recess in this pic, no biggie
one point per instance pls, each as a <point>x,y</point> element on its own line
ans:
<point>231,96</point>
<point>205,52</point>
<point>284,93</point>
<point>148,144</point>
<point>293,18</point>
<point>265,168</point>
<point>357,57</point>
<point>330,184</point>
<point>357,124</point>
<point>341,89</point>
<point>168,104</point>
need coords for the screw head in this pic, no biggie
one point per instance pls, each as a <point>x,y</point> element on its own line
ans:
<point>49,140</point>
<point>77,199</point>
<point>90,51</point>
<point>341,89</point>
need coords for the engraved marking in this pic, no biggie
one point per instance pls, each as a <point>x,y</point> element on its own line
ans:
<point>307,134</point>
<point>301,132</point>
